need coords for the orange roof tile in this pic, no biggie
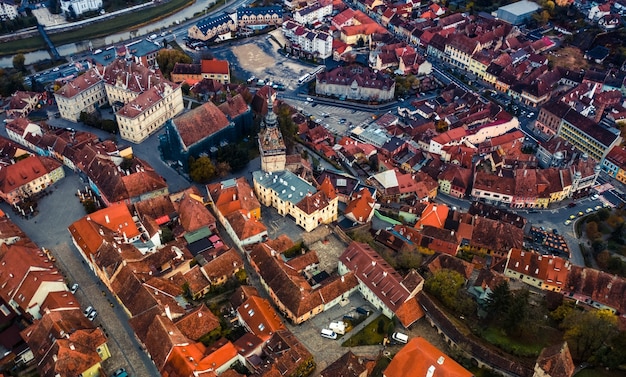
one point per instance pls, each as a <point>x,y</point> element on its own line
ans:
<point>420,358</point>
<point>219,357</point>
<point>215,66</point>
<point>260,317</point>
<point>434,215</point>
<point>361,208</point>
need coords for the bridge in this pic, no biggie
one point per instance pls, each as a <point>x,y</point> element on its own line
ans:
<point>53,50</point>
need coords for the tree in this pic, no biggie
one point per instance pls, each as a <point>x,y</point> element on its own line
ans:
<point>201,170</point>
<point>185,88</point>
<point>167,59</point>
<point>236,155</point>
<point>499,300</point>
<point>444,285</point>
<point>411,259</point>
<point>517,312</point>
<point>18,62</point>
<point>587,331</point>
<point>222,169</point>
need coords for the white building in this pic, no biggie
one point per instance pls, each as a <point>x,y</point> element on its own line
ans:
<point>313,12</point>
<point>307,40</point>
<point>78,7</point>
<point>8,10</point>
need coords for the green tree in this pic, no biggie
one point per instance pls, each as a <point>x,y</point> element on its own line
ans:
<point>185,88</point>
<point>517,312</point>
<point>168,58</point>
<point>445,285</point>
<point>407,260</point>
<point>499,300</point>
<point>18,62</point>
<point>201,170</point>
<point>587,331</point>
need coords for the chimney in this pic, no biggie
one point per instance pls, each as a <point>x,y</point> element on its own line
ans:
<point>106,218</point>
<point>72,346</point>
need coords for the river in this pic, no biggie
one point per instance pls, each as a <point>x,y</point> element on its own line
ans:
<point>73,48</point>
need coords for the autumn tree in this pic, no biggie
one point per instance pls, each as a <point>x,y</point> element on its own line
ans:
<point>447,286</point>
<point>201,170</point>
<point>18,62</point>
<point>167,59</point>
<point>587,331</point>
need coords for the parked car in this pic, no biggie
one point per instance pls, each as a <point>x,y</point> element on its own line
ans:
<point>74,288</point>
<point>92,315</point>
<point>595,197</point>
<point>87,311</point>
<point>328,333</point>
<point>120,373</point>
<point>567,222</point>
<point>400,337</point>
<point>572,205</point>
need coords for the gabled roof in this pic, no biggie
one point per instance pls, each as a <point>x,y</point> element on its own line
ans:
<point>419,358</point>
<point>382,279</point>
<point>556,361</point>
<point>215,66</point>
<point>193,214</point>
<point>199,123</point>
<point>24,171</point>
<point>260,317</point>
<point>198,323</point>
<point>225,264</point>
<point>361,208</point>
<point>434,215</point>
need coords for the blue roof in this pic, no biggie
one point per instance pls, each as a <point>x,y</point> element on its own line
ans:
<point>211,22</point>
<point>143,47</point>
<point>287,186</point>
<point>260,10</point>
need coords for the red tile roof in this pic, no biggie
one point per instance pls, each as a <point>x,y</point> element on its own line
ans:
<point>419,358</point>
<point>215,66</point>
<point>372,270</point>
<point>259,317</point>
<point>361,208</point>
<point>200,123</point>
<point>198,323</point>
<point>24,171</point>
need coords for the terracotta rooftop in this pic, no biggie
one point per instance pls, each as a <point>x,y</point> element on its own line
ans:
<point>259,317</point>
<point>193,214</point>
<point>215,66</point>
<point>372,270</point>
<point>199,123</point>
<point>420,358</point>
<point>225,264</point>
<point>198,323</point>
<point>24,171</point>
<point>556,361</point>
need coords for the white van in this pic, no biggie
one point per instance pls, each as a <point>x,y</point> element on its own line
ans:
<point>400,337</point>
<point>328,333</point>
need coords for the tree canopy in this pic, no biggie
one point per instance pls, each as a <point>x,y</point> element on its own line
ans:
<point>167,58</point>
<point>201,170</point>
<point>588,331</point>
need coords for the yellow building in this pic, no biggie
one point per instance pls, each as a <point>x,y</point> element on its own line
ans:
<point>291,195</point>
<point>83,94</point>
<point>149,111</point>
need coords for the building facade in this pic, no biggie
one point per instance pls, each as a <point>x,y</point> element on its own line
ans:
<point>356,83</point>
<point>145,115</point>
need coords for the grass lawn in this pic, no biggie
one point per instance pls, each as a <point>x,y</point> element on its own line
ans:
<point>22,45</point>
<point>599,372</point>
<point>125,22</point>
<point>369,335</point>
<point>496,337</point>
<point>569,57</point>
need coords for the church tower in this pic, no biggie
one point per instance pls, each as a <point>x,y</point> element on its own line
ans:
<point>271,144</point>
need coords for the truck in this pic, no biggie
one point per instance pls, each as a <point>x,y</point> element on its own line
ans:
<point>339,327</point>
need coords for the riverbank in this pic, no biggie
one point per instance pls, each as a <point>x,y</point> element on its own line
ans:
<point>126,21</point>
